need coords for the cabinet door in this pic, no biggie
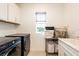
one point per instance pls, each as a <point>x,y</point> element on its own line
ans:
<point>17,13</point>
<point>3,11</point>
<point>11,12</point>
<point>60,51</point>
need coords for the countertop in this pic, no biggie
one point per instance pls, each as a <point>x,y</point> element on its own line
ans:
<point>19,35</point>
<point>4,40</point>
<point>73,42</point>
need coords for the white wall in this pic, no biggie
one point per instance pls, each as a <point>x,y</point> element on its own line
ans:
<point>54,17</point>
<point>6,29</point>
<point>71,19</point>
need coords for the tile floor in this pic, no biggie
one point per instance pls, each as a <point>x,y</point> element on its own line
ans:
<point>37,53</point>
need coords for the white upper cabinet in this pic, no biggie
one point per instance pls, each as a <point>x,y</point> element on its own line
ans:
<point>9,12</point>
<point>17,13</point>
<point>3,11</point>
<point>13,12</point>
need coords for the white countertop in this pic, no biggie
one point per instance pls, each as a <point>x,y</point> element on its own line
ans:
<point>73,42</point>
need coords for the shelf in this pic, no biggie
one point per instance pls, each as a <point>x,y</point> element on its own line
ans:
<point>9,22</point>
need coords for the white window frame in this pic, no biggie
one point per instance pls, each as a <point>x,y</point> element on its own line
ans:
<point>41,23</point>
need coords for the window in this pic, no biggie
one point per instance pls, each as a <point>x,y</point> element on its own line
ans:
<point>40,22</point>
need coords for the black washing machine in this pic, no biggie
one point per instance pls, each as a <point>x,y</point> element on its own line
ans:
<point>9,46</point>
<point>25,42</point>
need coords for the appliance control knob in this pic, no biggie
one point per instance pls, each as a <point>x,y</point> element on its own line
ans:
<point>13,42</point>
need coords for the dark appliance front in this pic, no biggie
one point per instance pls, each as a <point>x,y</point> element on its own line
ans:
<point>9,46</point>
<point>25,42</point>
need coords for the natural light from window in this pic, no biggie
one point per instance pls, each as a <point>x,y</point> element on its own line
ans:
<point>40,22</point>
